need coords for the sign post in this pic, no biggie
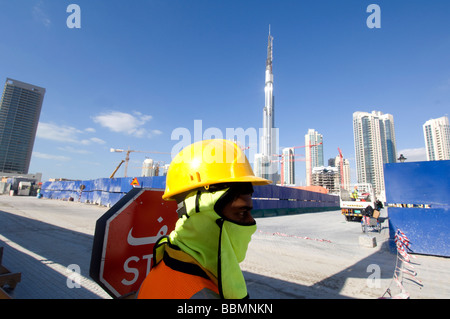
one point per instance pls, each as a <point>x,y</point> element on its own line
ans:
<point>124,238</point>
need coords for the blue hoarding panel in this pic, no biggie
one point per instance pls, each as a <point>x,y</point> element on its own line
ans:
<point>427,229</point>
<point>106,191</point>
<point>418,183</point>
<point>425,188</point>
<point>276,197</point>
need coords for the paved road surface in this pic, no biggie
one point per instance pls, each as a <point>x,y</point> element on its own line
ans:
<point>302,256</point>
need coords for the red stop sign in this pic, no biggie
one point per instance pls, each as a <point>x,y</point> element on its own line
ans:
<point>124,240</point>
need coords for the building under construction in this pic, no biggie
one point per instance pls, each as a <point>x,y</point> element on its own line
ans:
<point>327,177</point>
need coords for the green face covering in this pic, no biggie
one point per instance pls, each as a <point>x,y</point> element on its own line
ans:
<point>240,237</point>
<point>219,245</point>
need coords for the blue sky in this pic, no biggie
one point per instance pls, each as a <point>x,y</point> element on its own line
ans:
<point>137,70</point>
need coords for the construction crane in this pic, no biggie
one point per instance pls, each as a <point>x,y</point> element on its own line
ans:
<point>295,160</point>
<point>341,167</point>
<point>127,156</point>
<point>118,166</point>
<point>282,161</point>
<point>156,166</point>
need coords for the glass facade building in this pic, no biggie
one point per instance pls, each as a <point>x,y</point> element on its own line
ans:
<point>375,145</point>
<point>288,167</point>
<point>20,109</point>
<point>313,153</point>
<point>437,139</point>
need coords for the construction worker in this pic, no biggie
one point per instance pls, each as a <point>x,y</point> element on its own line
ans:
<point>355,194</point>
<point>212,182</point>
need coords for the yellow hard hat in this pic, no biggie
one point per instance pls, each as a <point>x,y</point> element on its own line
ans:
<point>206,163</point>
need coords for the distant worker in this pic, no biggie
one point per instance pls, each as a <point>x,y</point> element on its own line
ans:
<point>212,182</point>
<point>355,194</point>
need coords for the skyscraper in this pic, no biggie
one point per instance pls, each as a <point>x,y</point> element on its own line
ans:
<point>375,145</point>
<point>313,153</point>
<point>437,139</point>
<point>20,109</point>
<point>288,167</point>
<point>266,165</point>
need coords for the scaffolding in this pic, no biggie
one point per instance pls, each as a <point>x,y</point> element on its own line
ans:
<point>327,177</point>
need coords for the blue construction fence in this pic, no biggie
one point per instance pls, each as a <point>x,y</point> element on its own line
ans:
<point>418,200</point>
<point>272,200</point>
<point>269,200</point>
<point>102,191</point>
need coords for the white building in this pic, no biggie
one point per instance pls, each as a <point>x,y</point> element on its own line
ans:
<point>344,179</point>
<point>313,154</point>
<point>375,145</point>
<point>437,139</point>
<point>149,168</point>
<point>288,167</point>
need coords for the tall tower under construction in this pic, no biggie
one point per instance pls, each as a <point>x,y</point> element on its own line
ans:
<point>266,165</point>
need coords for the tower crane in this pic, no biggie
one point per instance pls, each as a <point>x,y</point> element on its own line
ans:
<point>282,161</point>
<point>127,155</point>
<point>295,160</point>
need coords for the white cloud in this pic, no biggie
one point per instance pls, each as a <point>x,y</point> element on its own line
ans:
<point>40,15</point>
<point>64,133</point>
<point>54,132</point>
<point>130,124</point>
<point>414,154</point>
<point>51,157</point>
<point>156,132</point>
<point>97,140</point>
<point>72,149</point>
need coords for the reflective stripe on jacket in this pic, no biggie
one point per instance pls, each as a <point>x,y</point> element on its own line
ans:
<point>178,278</point>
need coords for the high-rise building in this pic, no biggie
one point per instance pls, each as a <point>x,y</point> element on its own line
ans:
<point>375,145</point>
<point>149,168</point>
<point>313,153</point>
<point>344,179</point>
<point>266,165</point>
<point>437,139</point>
<point>20,109</point>
<point>288,166</point>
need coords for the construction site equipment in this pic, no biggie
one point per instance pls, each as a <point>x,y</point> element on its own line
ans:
<point>370,220</point>
<point>283,160</point>
<point>118,166</point>
<point>8,280</point>
<point>24,188</point>
<point>355,202</point>
<point>127,156</point>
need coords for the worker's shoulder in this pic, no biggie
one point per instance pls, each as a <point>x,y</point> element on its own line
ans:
<point>206,293</point>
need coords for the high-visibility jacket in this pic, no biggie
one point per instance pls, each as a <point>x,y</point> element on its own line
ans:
<point>178,276</point>
<point>202,254</point>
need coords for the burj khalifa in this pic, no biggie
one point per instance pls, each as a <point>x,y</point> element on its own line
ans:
<point>266,162</point>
